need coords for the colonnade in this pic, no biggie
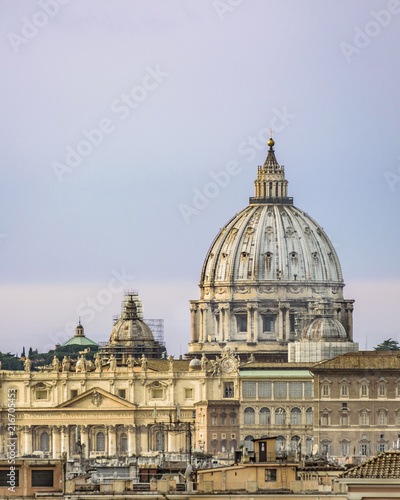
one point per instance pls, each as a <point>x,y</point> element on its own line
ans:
<point>97,440</point>
<point>218,323</point>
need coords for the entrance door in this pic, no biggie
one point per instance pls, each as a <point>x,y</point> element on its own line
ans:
<point>262,452</point>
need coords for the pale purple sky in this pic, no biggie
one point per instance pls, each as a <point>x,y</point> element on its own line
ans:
<point>180,89</point>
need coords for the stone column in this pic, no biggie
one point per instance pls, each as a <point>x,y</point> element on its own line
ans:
<point>256,322</point>
<point>131,440</point>
<point>287,324</point>
<point>221,323</point>
<point>203,323</point>
<point>280,323</point>
<point>56,441</point>
<point>85,440</point>
<point>349,314</point>
<point>193,334</point>
<point>112,440</point>
<point>65,439</point>
<point>3,433</point>
<point>226,323</point>
<point>27,430</point>
<point>249,323</point>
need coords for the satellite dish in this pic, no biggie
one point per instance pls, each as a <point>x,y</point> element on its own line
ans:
<point>188,471</point>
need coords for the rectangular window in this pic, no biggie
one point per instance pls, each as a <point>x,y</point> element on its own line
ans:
<point>41,394</point>
<point>364,390</point>
<point>265,389</point>
<point>270,475</point>
<point>292,319</point>
<point>13,394</point>
<point>214,420</point>
<point>364,419</point>
<point>382,390</point>
<point>308,389</point>
<point>295,389</point>
<point>345,420</point>
<point>325,390</point>
<point>345,449</point>
<point>249,389</point>
<point>325,448</point>
<point>188,393</point>
<point>74,393</point>
<point>324,419</point>
<point>122,393</point>
<point>268,324</point>
<point>242,323</point>
<point>4,479</point>
<point>43,478</point>
<point>381,447</point>
<point>382,418</point>
<point>344,390</point>
<point>280,389</point>
<point>228,390</point>
<point>157,393</point>
<point>363,449</point>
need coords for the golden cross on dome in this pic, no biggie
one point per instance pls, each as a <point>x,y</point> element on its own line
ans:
<point>271,132</point>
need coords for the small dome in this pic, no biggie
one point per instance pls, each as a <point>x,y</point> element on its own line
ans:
<point>130,331</point>
<point>324,328</point>
<point>130,327</point>
<point>195,363</point>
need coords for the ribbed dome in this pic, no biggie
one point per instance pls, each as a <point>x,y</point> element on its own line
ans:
<point>323,328</point>
<point>269,272</point>
<point>130,327</point>
<point>130,331</point>
<point>271,242</point>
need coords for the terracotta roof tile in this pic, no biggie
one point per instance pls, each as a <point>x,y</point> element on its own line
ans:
<point>367,360</point>
<point>384,466</point>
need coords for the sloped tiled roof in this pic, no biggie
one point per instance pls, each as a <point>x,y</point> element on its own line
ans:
<point>384,466</point>
<point>367,360</point>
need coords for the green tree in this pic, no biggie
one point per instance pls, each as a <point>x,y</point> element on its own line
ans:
<point>388,345</point>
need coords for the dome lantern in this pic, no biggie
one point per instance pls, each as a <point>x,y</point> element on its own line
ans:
<point>271,185</point>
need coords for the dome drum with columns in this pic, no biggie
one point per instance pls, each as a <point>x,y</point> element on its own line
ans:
<point>264,275</point>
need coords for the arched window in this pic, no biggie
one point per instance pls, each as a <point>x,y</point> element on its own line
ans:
<point>249,416</point>
<point>280,416</point>
<point>265,416</point>
<point>280,444</point>
<point>295,443</point>
<point>309,445</point>
<point>160,441</point>
<point>248,443</point>
<point>124,443</point>
<point>295,416</point>
<point>309,416</point>
<point>44,441</point>
<point>100,442</point>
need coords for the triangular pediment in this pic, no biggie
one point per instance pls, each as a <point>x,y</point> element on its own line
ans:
<point>97,398</point>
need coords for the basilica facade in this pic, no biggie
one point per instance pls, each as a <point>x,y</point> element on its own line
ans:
<point>271,353</point>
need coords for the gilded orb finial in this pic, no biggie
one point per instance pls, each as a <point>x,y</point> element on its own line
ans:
<point>271,142</point>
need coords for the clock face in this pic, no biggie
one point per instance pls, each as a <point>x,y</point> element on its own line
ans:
<point>228,365</point>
